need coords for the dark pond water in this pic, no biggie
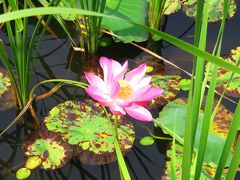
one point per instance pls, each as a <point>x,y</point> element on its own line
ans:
<point>55,58</point>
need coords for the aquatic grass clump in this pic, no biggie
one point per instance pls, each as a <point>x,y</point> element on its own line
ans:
<point>123,94</point>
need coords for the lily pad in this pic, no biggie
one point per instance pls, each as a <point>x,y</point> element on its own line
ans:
<point>6,96</point>
<point>222,121</point>
<point>33,162</point>
<point>5,82</point>
<point>23,173</point>
<point>185,84</point>
<point>130,10</point>
<point>208,172</point>
<point>84,124</point>
<point>174,113</point>
<point>215,9</point>
<point>49,147</point>
<point>171,6</point>
<point>170,85</point>
<point>223,75</point>
<point>147,141</point>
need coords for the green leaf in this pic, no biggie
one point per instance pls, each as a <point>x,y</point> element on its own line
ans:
<point>23,173</point>
<point>215,11</point>
<point>49,147</point>
<point>166,119</point>
<point>170,85</point>
<point>171,6</point>
<point>33,162</point>
<point>185,84</point>
<point>223,76</point>
<point>207,172</point>
<point>147,141</point>
<point>175,41</point>
<point>84,124</point>
<point>149,69</point>
<point>6,96</point>
<point>132,10</point>
<point>5,82</point>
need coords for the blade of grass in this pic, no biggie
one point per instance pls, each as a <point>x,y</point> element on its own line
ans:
<point>177,42</point>
<point>209,102</point>
<point>14,7</point>
<point>229,141</point>
<point>194,102</point>
<point>235,162</point>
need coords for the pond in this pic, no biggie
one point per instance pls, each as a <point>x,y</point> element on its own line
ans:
<point>57,59</point>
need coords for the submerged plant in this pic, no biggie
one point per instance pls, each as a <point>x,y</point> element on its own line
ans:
<point>123,94</point>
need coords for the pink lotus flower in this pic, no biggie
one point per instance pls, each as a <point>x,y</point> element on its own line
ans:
<point>123,93</point>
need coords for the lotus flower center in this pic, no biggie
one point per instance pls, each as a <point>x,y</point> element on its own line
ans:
<point>125,90</point>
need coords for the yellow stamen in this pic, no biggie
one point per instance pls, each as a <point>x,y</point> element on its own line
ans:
<point>125,90</point>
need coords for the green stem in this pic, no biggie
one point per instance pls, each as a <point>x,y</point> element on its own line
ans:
<point>121,162</point>
<point>65,81</point>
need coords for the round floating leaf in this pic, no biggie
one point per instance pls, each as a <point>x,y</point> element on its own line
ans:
<point>6,97</point>
<point>222,121</point>
<point>83,124</point>
<point>223,76</point>
<point>49,147</point>
<point>171,6</point>
<point>170,85</point>
<point>149,69</point>
<point>132,10</point>
<point>147,141</point>
<point>174,115</point>
<point>5,83</point>
<point>207,172</point>
<point>23,173</point>
<point>185,84</point>
<point>215,9</point>
<point>33,162</point>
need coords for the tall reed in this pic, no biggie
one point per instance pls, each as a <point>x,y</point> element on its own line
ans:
<point>92,23</point>
<point>21,45</point>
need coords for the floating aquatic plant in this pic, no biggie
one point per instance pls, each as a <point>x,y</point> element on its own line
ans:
<point>208,171</point>
<point>5,83</point>
<point>23,173</point>
<point>123,94</point>
<point>233,86</point>
<point>47,149</point>
<point>6,96</point>
<point>174,114</point>
<point>171,6</point>
<point>147,141</point>
<point>215,12</point>
<point>170,85</point>
<point>84,124</point>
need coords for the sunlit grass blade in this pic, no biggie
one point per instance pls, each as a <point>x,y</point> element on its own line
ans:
<point>235,162</point>
<point>209,100</point>
<point>194,102</point>
<point>14,7</point>
<point>229,141</point>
